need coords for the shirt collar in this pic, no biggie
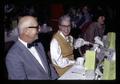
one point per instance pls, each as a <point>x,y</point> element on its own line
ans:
<point>63,35</point>
<point>23,42</point>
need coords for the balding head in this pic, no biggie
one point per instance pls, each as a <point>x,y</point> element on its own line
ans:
<point>25,22</point>
<point>64,18</point>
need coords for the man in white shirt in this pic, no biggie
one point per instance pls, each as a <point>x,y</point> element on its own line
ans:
<point>61,46</point>
<point>26,60</point>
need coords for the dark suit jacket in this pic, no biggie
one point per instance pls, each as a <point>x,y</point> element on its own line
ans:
<point>21,64</point>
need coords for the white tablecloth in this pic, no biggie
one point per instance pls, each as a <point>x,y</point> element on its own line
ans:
<point>77,72</point>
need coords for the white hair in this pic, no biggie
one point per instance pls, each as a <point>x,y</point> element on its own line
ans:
<point>24,22</point>
<point>21,27</point>
<point>64,17</point>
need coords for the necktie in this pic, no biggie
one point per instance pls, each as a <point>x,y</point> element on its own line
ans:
<point>29,45</point>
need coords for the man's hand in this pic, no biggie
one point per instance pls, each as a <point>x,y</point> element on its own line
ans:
<point>98,41</point>
<point>80,42</point>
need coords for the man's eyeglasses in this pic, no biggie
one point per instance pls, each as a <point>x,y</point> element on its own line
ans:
<point>37,27</point>
<point>65,25</point>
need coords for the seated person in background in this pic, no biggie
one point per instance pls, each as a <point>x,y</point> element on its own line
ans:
<point>45,28</point>
<point>12,36</point>
<point>61,46</point>
<point>96,28</point>
<point>95,33</point>
<point>26,60</point>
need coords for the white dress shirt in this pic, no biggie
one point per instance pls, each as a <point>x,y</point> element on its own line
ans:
<point>33,52</point>
<point>56,55</point>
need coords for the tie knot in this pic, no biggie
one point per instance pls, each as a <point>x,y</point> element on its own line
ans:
<point>29,45</point>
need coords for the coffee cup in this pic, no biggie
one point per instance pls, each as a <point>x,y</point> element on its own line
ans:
<point>80,61</point>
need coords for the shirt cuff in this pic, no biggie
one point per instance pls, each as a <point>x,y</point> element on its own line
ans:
<point>71,62</point>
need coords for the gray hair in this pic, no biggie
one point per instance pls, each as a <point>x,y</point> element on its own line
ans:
<point>21,27</point>
<point>24,22</point>
<point>62,18</point>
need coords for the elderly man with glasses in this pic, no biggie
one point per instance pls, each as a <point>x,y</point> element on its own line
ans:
<point>26,60</point>
<point>61,46</point>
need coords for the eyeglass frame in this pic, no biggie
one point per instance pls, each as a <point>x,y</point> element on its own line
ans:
<point>37,27</point>
<point>65,25</point>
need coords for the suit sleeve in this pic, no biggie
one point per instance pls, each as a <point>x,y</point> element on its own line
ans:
<point>14,67</point>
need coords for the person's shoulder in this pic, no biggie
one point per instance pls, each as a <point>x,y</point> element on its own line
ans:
<point>54,42</point>
<point>12,52</point>
<point>56,33</point>
<point>93,23</point>
<point>14,47</point>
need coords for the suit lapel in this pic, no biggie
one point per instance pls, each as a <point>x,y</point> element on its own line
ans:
<point>29,55</point>
<point>42,57</point>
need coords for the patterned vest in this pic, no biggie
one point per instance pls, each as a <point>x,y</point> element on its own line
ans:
<point>66,51</point>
